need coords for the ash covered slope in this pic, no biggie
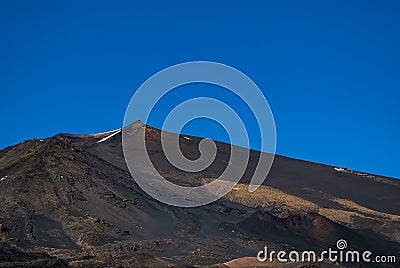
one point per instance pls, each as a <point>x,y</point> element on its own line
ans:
<point>312,181</point>
<point>72,197</point>
<point>62,185</point>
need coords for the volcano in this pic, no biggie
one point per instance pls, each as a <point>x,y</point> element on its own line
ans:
<point>69,200</point>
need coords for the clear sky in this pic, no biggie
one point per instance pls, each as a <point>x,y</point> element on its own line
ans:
<point>329,69</point>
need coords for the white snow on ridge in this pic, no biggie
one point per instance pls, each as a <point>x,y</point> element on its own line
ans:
<point>111,131</point>
<point>339,169</point>
<point>109,136</point>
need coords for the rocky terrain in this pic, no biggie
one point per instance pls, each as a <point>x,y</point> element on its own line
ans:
<point>69,200</point>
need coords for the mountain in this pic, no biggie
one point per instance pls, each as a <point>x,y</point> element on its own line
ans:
<point>70,200</point>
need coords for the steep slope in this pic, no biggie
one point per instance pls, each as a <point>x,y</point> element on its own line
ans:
<point>57,196</point>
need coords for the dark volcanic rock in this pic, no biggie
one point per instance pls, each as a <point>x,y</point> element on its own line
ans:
<point>11,257</point>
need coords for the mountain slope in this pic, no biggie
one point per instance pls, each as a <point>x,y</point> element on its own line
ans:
<point>301,178</point>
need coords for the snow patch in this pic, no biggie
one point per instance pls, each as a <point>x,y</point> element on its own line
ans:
<point>339,169</point>
<point>2,179</point>
<point>111,131</point>
<point>109,136</point>
<point>353,172</point>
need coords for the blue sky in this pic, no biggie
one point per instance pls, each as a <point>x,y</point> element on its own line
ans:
<point>329,69</point>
